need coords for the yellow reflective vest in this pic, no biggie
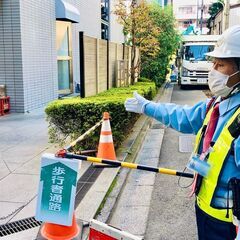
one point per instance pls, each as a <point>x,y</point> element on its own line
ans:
<point>216,159</point>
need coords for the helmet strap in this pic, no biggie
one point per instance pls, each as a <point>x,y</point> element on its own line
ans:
<point>236,89</point>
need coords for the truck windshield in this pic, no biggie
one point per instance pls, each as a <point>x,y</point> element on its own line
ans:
<point>197,52</point>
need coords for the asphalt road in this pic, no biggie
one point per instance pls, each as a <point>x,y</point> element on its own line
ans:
<point>171,214</point>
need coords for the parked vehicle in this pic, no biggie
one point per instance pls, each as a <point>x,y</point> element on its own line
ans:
<point>173,73</point>
<point>192,62</point>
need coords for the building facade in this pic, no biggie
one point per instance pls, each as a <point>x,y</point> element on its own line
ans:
<point>39,46</point>
<point>220,20</point>
<point>192,13</point>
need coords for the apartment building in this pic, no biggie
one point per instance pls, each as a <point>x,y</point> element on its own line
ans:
<point>39,46</point>
<point>189,13</point>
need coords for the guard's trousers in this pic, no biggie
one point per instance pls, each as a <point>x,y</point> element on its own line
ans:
<point>210,228</point>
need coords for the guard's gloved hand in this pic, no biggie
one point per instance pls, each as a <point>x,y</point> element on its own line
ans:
<point>136,104</point>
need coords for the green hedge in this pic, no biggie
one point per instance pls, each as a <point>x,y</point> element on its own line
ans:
<point>69,118</point>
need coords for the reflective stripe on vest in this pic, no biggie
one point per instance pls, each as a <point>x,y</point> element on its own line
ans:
<point>216,160</point>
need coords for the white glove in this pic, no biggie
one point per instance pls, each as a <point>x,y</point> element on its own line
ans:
<point>136,104</point>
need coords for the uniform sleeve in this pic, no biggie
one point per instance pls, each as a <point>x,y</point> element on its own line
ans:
<point>237,151</point>
<point>185,119</point>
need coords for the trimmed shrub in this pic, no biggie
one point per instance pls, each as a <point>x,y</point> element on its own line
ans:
<point>69,118</point>
<point>143,79</point>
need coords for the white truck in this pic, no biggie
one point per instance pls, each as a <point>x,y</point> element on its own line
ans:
<point>194,65</point>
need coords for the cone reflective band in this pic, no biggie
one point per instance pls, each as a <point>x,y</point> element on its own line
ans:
<point>129,165</point>
<point>106,146</point>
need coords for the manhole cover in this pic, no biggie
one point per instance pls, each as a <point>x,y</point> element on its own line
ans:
<point>186,143</point>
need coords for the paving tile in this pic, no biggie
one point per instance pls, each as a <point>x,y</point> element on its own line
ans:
<point>134,220</point>
<point>27,211</point>
<point>23,235</point>
<point>141,178</point>
<point>6,209</point>
<point>30,167</point>
<point>4,171</point>
<point>13,166</point>
<point>18,187</point>
<point>134,195</point>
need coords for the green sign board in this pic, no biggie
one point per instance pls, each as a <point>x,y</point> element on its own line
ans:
<point>57,189</point>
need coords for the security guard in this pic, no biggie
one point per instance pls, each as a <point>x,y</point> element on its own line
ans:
<point>216,123</point>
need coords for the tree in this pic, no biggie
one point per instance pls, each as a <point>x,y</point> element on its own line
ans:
<point>214,9</point>
<point>139,30</point>
<point>155,68</point>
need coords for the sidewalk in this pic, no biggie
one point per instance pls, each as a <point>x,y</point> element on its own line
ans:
<point>130,213</point>
<point>23,140</point>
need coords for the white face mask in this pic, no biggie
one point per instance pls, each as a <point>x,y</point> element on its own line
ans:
<point>218,83</point>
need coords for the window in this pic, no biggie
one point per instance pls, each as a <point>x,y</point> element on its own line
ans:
<point>105,10</point>
<point>185,10</point>
<point>197,52</point>
<point>104,31</point>
<point>64,57</point>
<point>105,19</point>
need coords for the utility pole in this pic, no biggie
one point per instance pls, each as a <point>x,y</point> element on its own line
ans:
<point>201,23</point>
<point>197,13</point>
<point>226,10</point>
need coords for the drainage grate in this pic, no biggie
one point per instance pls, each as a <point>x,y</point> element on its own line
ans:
<point>83,185</point>
<point>18,226</point>
<point>85,182</point>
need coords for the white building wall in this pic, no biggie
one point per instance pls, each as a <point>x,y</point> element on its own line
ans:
<point>90,24</point>
<point>39,59</point>
<point>116,29</point>
<point>188,10</point>
<point>234,16</point>
<point>11,73</point>
<point>28,58</point>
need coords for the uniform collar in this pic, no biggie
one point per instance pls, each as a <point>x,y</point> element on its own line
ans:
<point>229,103</point>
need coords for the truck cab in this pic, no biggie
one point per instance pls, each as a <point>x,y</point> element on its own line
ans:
<point>194,65</point>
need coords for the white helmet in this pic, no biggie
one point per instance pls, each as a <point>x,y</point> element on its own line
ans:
<point>228,45</point>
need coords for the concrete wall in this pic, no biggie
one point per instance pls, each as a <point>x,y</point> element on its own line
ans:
<point>11,69</point>
<point>96,66</point>
<point>39,59</point>
<point>102,65</point>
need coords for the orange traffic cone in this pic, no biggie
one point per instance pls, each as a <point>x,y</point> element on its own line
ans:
<point>106,148</point>
<point>59,232</point>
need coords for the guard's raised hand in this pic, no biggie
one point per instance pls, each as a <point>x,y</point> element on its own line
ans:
<point>136,104</point>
